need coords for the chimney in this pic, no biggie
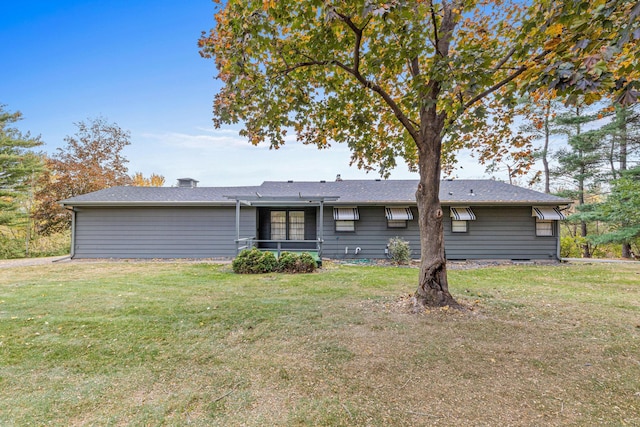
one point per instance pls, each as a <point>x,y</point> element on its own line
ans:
<point>187,183</point>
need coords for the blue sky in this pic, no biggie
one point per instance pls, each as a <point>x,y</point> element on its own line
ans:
<point>136,63</point>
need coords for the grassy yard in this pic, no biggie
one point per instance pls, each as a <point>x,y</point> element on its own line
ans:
<point>194,344</point>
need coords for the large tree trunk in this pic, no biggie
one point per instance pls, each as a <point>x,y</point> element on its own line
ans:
<point>433,287</point>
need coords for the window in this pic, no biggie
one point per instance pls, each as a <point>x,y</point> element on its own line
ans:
<point>396,223</point>
<point>278,225</point>
<point>458,226</point>
<point>345,225</point>
<point>296,225</point>
<point>544,227</point>
<point>287,225</point>
<point>397,217</point>
<point>345,219</point>
<point>460,217</point>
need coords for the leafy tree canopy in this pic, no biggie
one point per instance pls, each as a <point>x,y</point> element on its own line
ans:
<point>596,48</point>
<point>410,79</point>
<point>302,65</point>
<point>91,160</point>
<point>154,180</point>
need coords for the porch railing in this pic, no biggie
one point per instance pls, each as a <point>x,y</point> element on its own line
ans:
<point>250,242</point>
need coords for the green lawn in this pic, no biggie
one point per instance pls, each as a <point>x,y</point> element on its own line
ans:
<point>194,344</point>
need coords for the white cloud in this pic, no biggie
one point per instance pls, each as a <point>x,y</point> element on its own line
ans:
<point>220,139</point>
<point>220,157</point>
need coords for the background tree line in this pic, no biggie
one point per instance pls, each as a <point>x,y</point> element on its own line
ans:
<point>32,223</point>
<point>590,154</point>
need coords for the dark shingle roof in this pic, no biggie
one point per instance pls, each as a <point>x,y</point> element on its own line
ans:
<point>470,192</point>
<point>171,196</point>
<point>403,191</point>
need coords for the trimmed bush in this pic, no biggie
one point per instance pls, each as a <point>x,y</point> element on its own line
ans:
<point>254,261</point>
<point>287,262</point>
<point>305,263</point>
<point>399,250</point>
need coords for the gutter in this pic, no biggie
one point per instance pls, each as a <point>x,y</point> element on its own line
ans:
<point>143,204</point>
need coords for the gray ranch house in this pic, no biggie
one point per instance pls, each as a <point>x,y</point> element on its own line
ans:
<point>342,219</point>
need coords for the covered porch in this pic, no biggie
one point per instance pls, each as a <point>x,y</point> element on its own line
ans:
<point>284,223</point>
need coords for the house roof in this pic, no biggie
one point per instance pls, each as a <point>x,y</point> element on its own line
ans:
<point>156,196</point>
<point>360,192</point>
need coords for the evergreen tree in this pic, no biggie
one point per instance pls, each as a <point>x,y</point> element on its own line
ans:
<point>19,166</point>
<point>539,114</point>
<point>621,211</point>
<point>624,147</point>
<point>579,163</point>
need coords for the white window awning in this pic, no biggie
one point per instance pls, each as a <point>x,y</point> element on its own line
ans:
<point>462,214</point>
<point>346,214</point>
<point>547,213</point>
<point>398,214</point>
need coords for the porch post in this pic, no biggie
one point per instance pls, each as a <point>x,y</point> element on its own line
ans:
<point>321,225</point>
<point>72,252</point>
<point>237,222</point>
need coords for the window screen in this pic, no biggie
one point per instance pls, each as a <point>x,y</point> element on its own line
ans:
<point>278,225</point>
<point>544,228</point>
<point>342,225</point>
<point>458,226</point>
<point>296,225</point>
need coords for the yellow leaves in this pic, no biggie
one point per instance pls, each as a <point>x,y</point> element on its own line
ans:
<point>552,44</point>
<point>554,30</point>
<point>268,4</point>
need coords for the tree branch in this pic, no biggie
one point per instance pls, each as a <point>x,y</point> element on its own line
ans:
<point>504,60</point>
<point>501,83</point>
<point>355,72</point>
<point>436,40</point>
<point>406,122</point>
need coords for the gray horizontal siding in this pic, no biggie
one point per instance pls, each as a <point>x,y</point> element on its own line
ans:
<point>206,232</point>
<point>184,232</point>
<point>497,233</point>
<point>371,235</point>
